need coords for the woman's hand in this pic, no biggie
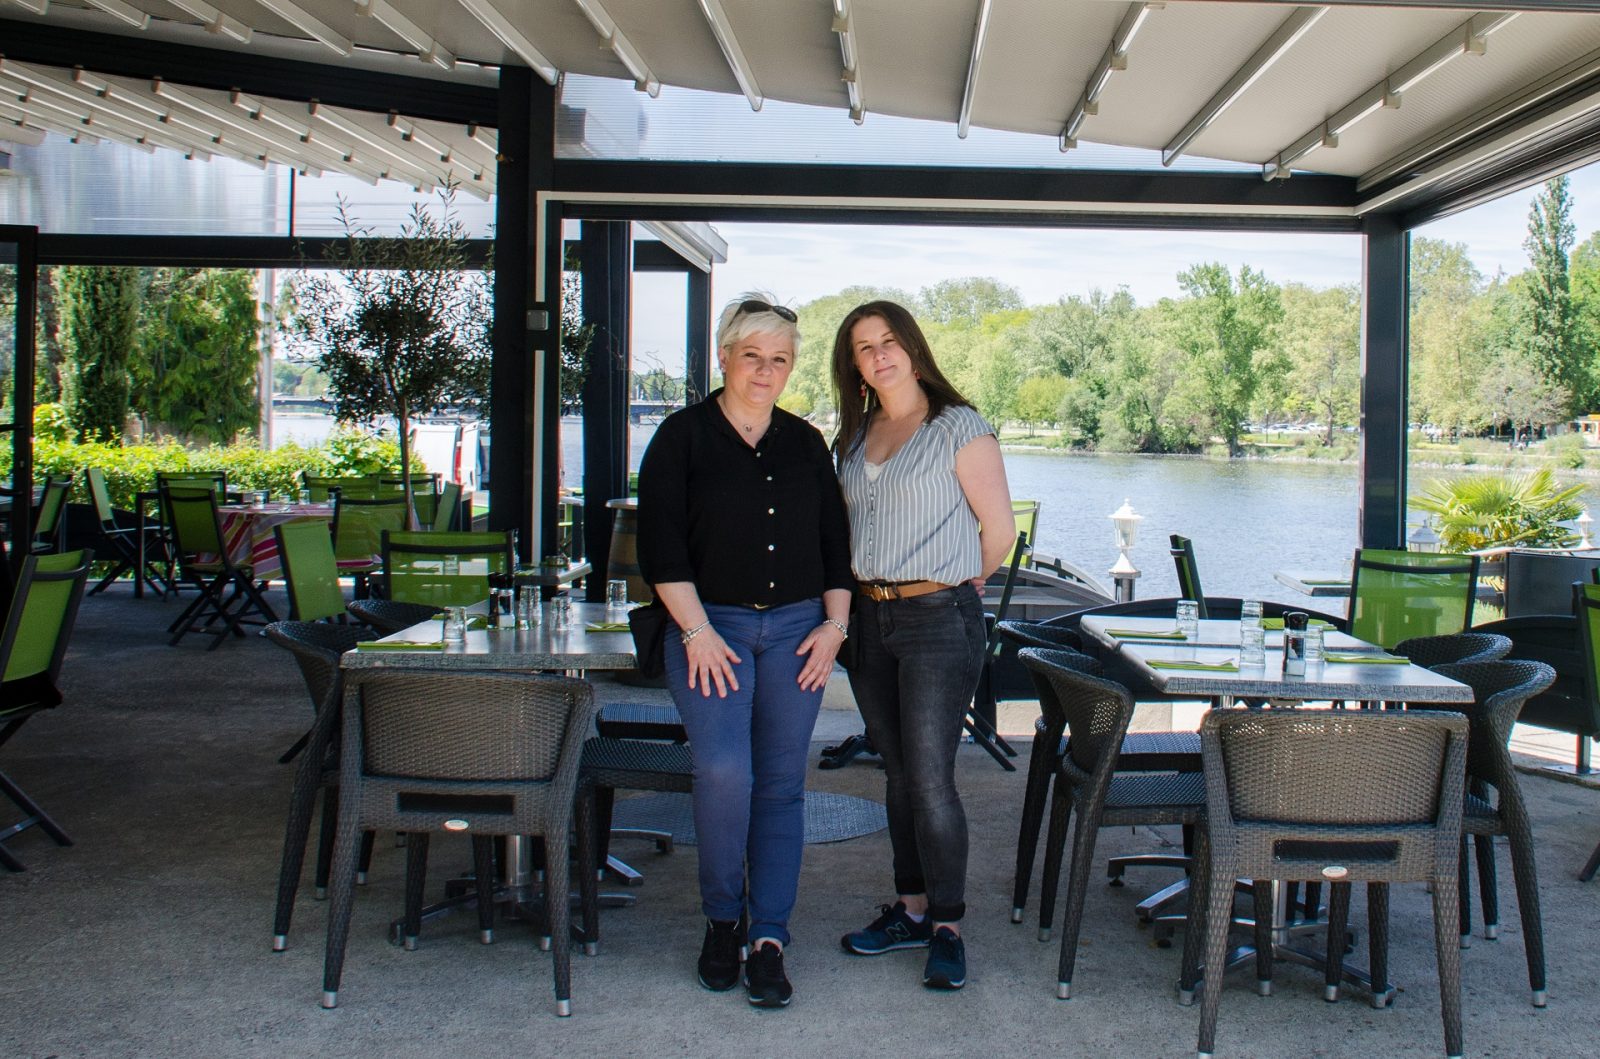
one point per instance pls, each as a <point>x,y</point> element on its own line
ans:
<point>823,645</point>
<point>711,661</point>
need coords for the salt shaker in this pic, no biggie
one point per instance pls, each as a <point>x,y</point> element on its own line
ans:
<point>1294,643</point>
<point>501,614</point>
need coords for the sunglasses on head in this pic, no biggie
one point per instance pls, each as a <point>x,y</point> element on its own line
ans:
<point>756,305</point>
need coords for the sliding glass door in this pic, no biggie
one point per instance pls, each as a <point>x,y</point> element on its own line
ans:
<point>19,286</point>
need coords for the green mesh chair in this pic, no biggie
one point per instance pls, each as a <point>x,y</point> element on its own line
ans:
<point>309,570</point>
<point>1397,595</point>
<point>34,641</point>
<point>1026,514</point>
<point>1188,572</point>
<point>52,504</point>
<point>358,527</point>
<point>444,508</point>
<point>118,541</point>
<point>443,569</point>
<point>216,481</point>
<point>227,590</point>
<point>1587,600</point>
<point>322,487</point>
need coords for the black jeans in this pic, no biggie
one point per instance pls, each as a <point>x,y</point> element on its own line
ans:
<point>918,668</point>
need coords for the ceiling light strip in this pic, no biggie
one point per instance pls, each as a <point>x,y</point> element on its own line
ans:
<point>722,29</point>
<point>626,53</point>
<point>495,21</point>
<point>428,49</point>
<point>215,21</point>
<point>1114,59</point>
<point>850,53</point>
<point>309,24</point>
<point>1469,38</point>
<point>1285,37</point>
<point>123,12</point>
<point>980,33</point>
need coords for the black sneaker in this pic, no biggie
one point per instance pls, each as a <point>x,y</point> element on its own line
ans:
<point>891,930</point>
<point>719,955</point>
<point>763,976</point>
<point>947,961</point>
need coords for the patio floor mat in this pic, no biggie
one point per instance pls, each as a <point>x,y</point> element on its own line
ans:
<point>829,817</point>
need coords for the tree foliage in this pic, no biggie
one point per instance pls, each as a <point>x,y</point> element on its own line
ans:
<point>99,314</point>
<point>1487,511</point>
<point>200,356</point>
<point>1547,295</point>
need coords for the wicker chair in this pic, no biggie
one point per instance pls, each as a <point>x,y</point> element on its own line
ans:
<point>1430,651</point>
<point>1097,713</point>
<point>387,617</point>
<point>484,753</point>
<point>316,647</point>
<point>1328,795</point>
<point>1141,752</point>
<point>1494,804</point>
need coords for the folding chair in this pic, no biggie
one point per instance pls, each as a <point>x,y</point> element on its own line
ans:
<point>228,592</point>
<point>309,570</point>
<point>116,539</point>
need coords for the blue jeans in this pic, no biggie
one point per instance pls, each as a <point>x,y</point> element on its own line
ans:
<point>751,751</point>
<point>914,679</point>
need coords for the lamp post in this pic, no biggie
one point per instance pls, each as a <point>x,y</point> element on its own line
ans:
<point>1123,573</point>
<point>1423,539</point>
<point>1584,522</point>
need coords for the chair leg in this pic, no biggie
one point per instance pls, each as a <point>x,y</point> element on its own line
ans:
<point>588,869</point>
<point>1333,962</point>
<point>342,899</point>
<point>1378,943</point>
<point>1591,867</point>
<point>1464,896</point>
<point>483,878</point>
<point>302,802</point>
<point>1219,902</point>
<point>1042,764</point>
<point>416,880</point>
<point>558,915</point>
<point>1526,874</point>
<point>1261,895</point>
<point>1083,842</point>
<point>32,812</point>
<point>364,864</point>
<point>1054,847</point>
<point>325,838</point>
<point>1195,929</point>
<point>1445,909</point>
<point>1488,891</point>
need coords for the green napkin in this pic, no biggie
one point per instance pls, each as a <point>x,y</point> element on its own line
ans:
<point>477,621</point>
<point>1348,658</point>
<point>1276,624</point>
<point>400,645</point>
<point>608,626</point>
<point>1141,634</point>
<point>1325,581</point>
<point>1204,667</point>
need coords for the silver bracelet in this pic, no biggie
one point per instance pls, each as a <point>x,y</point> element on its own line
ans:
<point>844,630</point>
<point>688,634</point>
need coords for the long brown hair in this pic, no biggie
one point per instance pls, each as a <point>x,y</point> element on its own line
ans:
<point>854,411</point>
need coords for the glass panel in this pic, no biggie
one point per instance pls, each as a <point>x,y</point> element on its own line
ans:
<point>601,117</point>
<point>383,207</point>
<point>8,331</point>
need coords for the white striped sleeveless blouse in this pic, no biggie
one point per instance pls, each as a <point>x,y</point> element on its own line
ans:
<point>909,519</point>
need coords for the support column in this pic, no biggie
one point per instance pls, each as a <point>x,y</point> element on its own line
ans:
<point>698,337</point>
<point>1385,404</point>
<point>526,317</point>
<point>607,251</point>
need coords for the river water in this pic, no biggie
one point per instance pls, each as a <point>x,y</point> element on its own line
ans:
<point>1248,518</point>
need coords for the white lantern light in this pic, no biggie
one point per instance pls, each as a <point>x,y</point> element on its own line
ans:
<point>1126,521</point>
<point>1584,523</point>
<point>1423,539</point>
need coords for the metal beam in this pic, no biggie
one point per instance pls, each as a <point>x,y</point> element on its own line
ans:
<point>262,75</point>
<point>980,34</point>
<point>206,251</point>
<point>1563,6</point>
<point>1114,59</point>
<point>1384,382</point>
<point>607,306</point>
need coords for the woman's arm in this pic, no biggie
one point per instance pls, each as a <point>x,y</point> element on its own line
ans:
<point>825,640</point>
<point>711,660</point>
<point>982,474</point>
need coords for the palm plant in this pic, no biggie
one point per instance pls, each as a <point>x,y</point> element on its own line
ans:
<point>1496,511</point>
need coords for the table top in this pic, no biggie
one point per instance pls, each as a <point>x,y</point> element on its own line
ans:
<point>536,649</point>
<point>1213,633</point>
<point>1312,583</point>
<point>1385,682</point>
<point>551,576</point>
<point>277,508</point>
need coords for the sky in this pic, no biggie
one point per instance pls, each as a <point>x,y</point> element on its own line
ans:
<point>797,263</point>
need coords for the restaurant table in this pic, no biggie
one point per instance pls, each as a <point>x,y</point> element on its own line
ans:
<point>1316,585</point>
<point>542,648</point>
<point>1217,643</point>
<point>550,579</point>
<point>247,534</point>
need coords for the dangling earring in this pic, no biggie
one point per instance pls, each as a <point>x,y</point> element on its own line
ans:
<point>863,389</point>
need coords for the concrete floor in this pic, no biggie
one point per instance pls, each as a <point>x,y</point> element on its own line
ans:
<point>151,936</point>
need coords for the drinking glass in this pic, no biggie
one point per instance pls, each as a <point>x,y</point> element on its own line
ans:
<point>1313,636</point>
<point>1252,645</point>
<point>450,566</point>
<point>527,606</point>
<point>305,496</point>
<point>1250,612</point>
<point>617,594</point>
<point>455,625</point>
<point>561,611</point>
<point>1189,618</point>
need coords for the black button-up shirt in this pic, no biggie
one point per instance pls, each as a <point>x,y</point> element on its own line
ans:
<point>749,526</point>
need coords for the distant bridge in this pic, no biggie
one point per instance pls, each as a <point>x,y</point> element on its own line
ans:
<point>637,410</point>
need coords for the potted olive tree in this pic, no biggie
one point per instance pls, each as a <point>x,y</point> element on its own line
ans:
<point>400,325</point>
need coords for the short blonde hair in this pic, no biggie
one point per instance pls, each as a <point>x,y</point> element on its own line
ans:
<point>738,323</point>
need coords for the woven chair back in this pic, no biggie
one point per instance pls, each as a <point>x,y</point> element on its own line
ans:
<point>1096,711</point>
<point>1499,691</point>
<point>316,647</point>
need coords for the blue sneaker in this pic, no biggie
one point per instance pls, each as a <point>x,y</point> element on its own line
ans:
<point>893,929</point>
<point>947,961</point>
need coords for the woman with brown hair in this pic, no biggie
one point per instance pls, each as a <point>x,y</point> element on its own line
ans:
<point>930,520</point>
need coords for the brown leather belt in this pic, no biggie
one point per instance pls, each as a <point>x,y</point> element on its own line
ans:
<point>883,591</point>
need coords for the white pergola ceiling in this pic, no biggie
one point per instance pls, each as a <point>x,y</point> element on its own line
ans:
<point>1371,91</point>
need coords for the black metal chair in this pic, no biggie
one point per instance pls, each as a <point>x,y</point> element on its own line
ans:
<point>476,753</point>
<point>33,644</point>
<point>118,542</point>
<point>1328,795</point>
<point>1097,713</point>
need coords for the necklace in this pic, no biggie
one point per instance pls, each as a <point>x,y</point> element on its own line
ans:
<point>748,428</point>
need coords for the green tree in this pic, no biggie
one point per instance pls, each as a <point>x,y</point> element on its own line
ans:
<point>1040,400</point>
<point>968,300</point>
<point>199,357</point>
<point>1451,324</point>
<point>401,328</point>
<point>1321,341</point>
<point>99,310</point>
<point>1548,294</point>
<point>811,383</point>
<point>1488,510</point>
<point>1219,329</point>
<point>576,336</point>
